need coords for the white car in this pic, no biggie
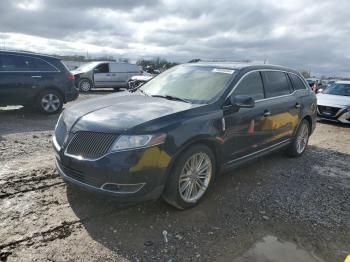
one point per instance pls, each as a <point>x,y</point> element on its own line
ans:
<point>333,103</point>
<point>137,81</point>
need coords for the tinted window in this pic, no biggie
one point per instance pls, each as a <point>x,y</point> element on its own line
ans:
<point>15,63</point>
<point>102,68</point>
<point>297,83</point>
<point>276,84</point>
<point>251,85</point>
<point>18,63</point>
<point>41,65</point>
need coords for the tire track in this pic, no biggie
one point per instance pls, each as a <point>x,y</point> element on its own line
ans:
<point>34,180</point>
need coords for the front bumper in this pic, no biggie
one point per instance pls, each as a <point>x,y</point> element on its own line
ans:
<point>342,116</point>
<point>127,176</point>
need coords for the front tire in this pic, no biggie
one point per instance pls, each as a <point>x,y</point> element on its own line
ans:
<point>50,102</point>
<point>300,140</point>
<point>191,177</point>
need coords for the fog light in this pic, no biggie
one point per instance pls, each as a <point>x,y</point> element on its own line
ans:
<point>122,188</point>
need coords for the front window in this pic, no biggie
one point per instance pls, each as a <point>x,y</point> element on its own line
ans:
<point>87,67</point>
<point>338,89</point>
<point>195,84</point>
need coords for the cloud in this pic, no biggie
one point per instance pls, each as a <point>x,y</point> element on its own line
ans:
<point>301,33</point>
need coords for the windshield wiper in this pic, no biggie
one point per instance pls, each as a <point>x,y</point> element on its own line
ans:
<point>172,98</point>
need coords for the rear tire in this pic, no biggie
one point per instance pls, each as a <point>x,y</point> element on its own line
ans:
<point>50,102</point>
<point>192,176</point>
<point>300,140</point>
<point>85,85</point>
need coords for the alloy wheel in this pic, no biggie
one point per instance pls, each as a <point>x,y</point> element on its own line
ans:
<point>195,177</point>
<point>50,103</point>
<point>85,86</point>
<point>302,138</point>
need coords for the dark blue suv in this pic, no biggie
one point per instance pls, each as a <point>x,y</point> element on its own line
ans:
<point>171,136</point>
<point>35,80</point>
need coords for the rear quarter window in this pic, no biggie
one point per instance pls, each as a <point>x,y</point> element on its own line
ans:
<point>276,84</point>
<point>297,83</point>
<point>41,65</point>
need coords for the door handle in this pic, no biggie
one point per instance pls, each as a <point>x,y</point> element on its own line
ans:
<point>36,76</point>
<point>267,113</point>
<point>108,75</point>
<point>297,105</point>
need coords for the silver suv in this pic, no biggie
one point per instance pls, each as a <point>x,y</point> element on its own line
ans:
<point>104,74</point>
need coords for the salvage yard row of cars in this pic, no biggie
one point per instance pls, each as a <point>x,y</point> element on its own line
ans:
<point>172,135</point>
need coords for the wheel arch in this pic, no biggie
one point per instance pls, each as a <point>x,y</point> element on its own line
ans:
<point>210,142</point>
<point>309,120</point>
<point>53,88</point>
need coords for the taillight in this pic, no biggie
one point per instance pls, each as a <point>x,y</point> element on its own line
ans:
<point>71,77</point>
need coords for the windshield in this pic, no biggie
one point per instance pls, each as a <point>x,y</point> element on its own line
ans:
<point>87,66</point>
<point>338,89</point>
<point>192,83</point>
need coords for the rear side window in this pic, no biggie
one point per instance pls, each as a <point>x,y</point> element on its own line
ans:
<point>17,63</point>
<point>276,84</point>
<point>41,65</point>
<point>297,83</point>
<point>251,85</point>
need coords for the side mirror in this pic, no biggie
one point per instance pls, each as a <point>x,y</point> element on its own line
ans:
<point>242,101</point>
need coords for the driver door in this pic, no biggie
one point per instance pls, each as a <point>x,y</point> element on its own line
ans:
<point>244,127</point>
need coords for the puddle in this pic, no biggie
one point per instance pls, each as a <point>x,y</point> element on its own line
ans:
<point>271,249</point>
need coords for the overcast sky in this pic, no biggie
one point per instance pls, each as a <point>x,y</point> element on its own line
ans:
<point>298,33</point>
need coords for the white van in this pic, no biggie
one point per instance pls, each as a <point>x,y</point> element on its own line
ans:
<point>104,74</point>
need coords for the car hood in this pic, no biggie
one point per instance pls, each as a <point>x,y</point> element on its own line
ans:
<point>333,100</point>
<point>118,113</point>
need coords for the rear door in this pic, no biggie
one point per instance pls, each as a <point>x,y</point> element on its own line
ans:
<point>281,108</point>
<point>102,75</point>
<point>118,74</point>
<point>18,78</point>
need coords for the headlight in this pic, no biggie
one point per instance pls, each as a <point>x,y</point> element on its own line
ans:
<point>138,141</point>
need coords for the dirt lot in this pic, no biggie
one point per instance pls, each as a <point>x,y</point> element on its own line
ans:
<point>295,207</point>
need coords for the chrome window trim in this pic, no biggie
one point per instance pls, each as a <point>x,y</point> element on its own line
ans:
<point>267,70</point>
<point>55,71</point>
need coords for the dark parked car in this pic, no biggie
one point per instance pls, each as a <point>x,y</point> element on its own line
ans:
<point>172,136</point>
<point>35,80</point>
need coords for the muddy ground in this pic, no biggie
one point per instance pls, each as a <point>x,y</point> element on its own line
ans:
<point>304,202</point>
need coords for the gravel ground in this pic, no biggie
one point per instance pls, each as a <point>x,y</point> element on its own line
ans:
<point>303,201</point>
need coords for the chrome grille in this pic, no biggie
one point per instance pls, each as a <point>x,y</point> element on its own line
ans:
<point>90,145</point>
<point>60,131</point>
